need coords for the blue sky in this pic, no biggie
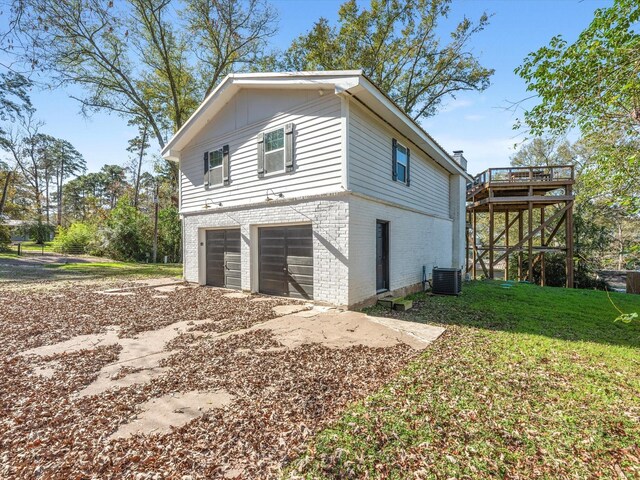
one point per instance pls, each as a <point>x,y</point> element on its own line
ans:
<point>477,123</point>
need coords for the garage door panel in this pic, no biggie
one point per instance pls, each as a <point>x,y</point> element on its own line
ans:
<point>300,269</point>
<point>299,260</point>
<point>234,266</point>
<point>271,263</point>
<point>273,287</point>
<point>286,261</point>
<point>223,259</point>
<point>298,231</point>
<point>300,291</point>
<point>233,282</point>
<point>273,250</point>
<point>301,279</point>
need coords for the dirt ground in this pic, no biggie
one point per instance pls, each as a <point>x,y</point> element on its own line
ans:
<point>177,381</point>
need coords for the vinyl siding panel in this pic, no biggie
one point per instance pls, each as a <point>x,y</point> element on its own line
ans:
<point>317,148</point>
<point>370,167</point>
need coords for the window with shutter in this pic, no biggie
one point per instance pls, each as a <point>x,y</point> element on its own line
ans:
<point>400,161</point>
<point>276,150</point>
<point>215,176</point>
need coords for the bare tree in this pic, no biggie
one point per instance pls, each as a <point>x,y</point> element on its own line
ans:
<point>148,59</point>
<point>138,146</point>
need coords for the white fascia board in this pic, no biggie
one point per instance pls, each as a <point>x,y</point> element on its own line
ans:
<point>171,154</point>
<point>388,110</point>
<point>315,73</point>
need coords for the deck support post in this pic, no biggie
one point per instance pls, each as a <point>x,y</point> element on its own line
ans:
<point>542,244</point>
<point>491,240</point>
<point>506,243</point>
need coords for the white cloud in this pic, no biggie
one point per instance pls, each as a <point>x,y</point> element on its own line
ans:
<point>474,117</point>
<point>455,105</point>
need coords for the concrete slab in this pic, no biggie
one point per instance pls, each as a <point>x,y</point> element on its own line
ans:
<point>289,309</point>
<point>158,282</point>
<point>342,329</point>
<point>141,355</point>
<point>81,342</point>
<point>158,415</point>
<point>169,288</point>
<point>236,295</point>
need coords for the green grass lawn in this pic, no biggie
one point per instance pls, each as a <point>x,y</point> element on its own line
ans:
<point>33,246</point>
<point>120,269</point>
<point>528,382</point>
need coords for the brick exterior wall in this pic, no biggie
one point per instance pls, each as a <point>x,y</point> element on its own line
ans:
<point>329,217</point>
<point>344,247</point>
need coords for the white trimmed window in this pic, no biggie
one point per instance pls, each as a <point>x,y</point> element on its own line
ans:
<point>401,163</point>
<point>274,151</point>
<point>215,167</point>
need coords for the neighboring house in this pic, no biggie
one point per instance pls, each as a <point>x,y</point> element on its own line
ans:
<point>19,229</point>
<point>314,185</point>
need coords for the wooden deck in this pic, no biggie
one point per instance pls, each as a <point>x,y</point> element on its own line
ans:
<point>533,203</point>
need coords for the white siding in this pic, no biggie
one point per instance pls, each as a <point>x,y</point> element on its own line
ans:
<point>415,239</point>
<point>370,167</point>
<point>317,148</point>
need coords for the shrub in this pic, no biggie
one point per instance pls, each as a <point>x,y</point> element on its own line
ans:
<point>40,232</point>
<point>556,274</point>
<point>77,238</point>
<point>169,234</point>
<point>128,234</point>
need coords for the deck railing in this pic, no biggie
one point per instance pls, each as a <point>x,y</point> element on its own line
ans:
<point>560,173</point>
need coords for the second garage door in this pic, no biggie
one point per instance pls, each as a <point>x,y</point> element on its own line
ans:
<point>223,258</point>
<point>286,261</point>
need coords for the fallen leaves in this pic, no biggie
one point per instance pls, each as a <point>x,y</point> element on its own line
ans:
<point>282,397</point>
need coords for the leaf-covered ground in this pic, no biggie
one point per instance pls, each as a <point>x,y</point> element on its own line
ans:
<point>525,383</point>
<point>281,397</point>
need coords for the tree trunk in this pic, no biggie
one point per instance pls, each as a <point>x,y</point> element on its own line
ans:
<point>156,202</point>
<point>5,191</point>
<point>140,157</point>
<point>46,194</point>
<point>621,247</point>
<point>60,192</point>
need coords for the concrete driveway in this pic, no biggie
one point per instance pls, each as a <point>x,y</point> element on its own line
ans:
<point>166,366</point>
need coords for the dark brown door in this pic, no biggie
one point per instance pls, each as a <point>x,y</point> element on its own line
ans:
<point>286,261</point>
<point>223,258</point>
<point>382,256</point>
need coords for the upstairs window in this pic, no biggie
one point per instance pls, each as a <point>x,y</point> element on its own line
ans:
<point>216,167</point>
<point>401,158</point>
<point>274,151</point>
<point>401,163</point>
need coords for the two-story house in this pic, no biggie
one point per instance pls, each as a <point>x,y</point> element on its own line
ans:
<point>314,185</point>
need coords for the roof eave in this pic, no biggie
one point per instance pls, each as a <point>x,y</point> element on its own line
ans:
<point>340,81</point>
<point>420,136</point>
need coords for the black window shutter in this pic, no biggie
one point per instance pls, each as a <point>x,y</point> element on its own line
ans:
<point>225,165</point>
<point>394,161</point>
<point>261,154</point>
<point>206,169</point>
<point>288,147</point>
<point>408,167</point>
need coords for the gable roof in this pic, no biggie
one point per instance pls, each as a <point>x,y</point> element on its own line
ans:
<point>351,83</point>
